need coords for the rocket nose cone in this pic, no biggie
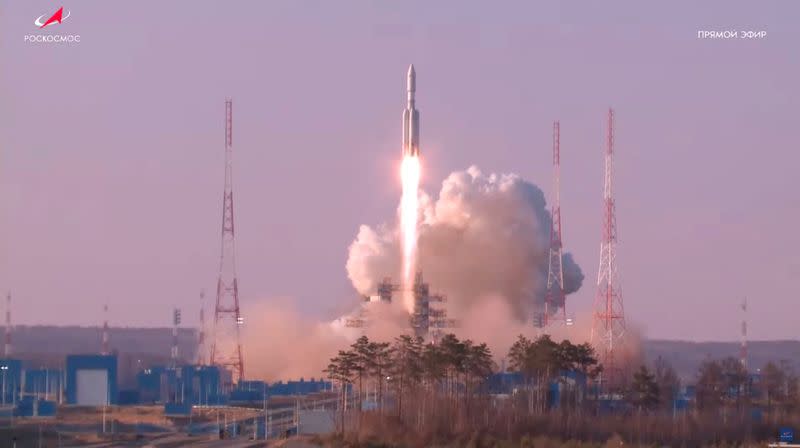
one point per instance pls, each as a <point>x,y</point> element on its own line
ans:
<point>411,70</point>
<point>412,78</point>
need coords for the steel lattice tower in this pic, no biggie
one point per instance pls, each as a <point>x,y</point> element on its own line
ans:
<point>7,344</point>
<point>608,326</point>
<point>428,319</point>
<point>226,349</point>
<point>555,298</point>
<point>104,346</point>
<point>176,320</point>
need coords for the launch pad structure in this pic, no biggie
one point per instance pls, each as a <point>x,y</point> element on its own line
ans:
<point>428,319</point>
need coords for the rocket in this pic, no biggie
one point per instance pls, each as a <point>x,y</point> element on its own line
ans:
<point>411,117</point>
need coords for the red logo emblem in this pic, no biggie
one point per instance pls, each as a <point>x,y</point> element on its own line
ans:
<point>58,17</point>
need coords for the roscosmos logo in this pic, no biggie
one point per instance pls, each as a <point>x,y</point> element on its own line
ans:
<point>57,17</point>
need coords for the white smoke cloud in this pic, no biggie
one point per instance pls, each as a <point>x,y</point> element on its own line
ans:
<point>281,343</point>
<point>483,243</point>
<point>485,237</point>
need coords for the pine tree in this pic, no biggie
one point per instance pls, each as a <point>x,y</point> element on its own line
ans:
<point>645,389</point>
<point>379,365</point>
<point>406,370</point>
<point>710,386</point>
<point>668,382</point>
<point>363,352</point>
<point>341,369</point>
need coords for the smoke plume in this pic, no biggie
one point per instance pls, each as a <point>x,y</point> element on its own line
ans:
<point>483,243</point>
<point>281,343</point>
<point>485,238</point>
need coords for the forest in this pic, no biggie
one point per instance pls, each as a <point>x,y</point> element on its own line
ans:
<point>408,392</point>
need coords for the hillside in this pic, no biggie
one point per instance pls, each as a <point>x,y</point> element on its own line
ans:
<point>686,356</point>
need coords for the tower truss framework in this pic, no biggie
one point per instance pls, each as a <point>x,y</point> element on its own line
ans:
<point>555,309</point>
<point>226,348</point>
<point>608,323</point>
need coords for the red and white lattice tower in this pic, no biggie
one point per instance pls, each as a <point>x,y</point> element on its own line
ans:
<point>104,347</point>
<point>608,326</point>
<point>226,348</point>
<point>201,335</point>
<point>7,345</point>
<point>555,301</point>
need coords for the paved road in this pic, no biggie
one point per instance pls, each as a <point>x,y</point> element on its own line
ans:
<point>245,443</point>
<point>178,440</point>
<point>240,443</point>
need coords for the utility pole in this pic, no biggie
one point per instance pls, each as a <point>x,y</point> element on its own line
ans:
<point>201,340</point>
<point>104,349</point>
<point>266,415</point>
<point>743,348</point>
<point>7,346</point>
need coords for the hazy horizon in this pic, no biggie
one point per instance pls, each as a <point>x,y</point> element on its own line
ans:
<point>111,149</point>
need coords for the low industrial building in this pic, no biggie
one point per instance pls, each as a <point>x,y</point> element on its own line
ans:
<point>44,384</point>
<point>91,380</point>
<point>10,381</point>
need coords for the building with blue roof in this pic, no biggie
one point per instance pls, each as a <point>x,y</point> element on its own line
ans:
<point>44,384</point>
<point>91,380</point>
<point>10,380</point>
<point>203,385</point>
<point>159,384</point>
<point>301,387</point>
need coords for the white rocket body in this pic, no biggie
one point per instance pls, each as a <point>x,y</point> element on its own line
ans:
<point>411,118</point>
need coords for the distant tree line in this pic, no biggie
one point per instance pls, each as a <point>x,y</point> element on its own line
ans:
<point>722,386</point>
<point>543,360</point>
<point>429,382</point>
<point>439,392</point>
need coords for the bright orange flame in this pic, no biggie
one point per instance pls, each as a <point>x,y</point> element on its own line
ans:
<point>409,210</point>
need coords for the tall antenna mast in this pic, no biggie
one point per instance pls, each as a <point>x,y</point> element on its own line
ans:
<point>743,349</point>
<point>608,325</point>
<point>176,320</point>
<point>201,339</point>
<point>555,298</point>
<point>7,345</point>
<point>226,349</point>
<point>104,349</point>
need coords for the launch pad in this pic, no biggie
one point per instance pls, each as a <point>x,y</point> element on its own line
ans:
<point>428,319</point>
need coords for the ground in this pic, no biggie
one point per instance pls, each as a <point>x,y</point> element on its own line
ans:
<point>142,426</point>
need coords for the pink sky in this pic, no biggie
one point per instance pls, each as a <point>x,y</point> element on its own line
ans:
<point>111,150</point>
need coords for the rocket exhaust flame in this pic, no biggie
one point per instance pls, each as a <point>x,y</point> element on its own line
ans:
<point>409,210</point>
<point>410,174</point>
